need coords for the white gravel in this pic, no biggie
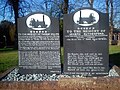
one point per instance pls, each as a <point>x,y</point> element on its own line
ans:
<point>15,76</point>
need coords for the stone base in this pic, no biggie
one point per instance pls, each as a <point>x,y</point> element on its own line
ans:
<point>90,83</point>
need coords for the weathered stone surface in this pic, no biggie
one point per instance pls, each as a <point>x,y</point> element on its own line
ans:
<point>90,83</point>
<point>101,83</point>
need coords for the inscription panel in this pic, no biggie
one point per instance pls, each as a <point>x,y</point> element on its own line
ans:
<point>39,45</point>
<point>86,43</point>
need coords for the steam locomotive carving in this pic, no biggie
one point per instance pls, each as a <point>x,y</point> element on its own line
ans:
<point>86,20</point>
<point>38,24</point>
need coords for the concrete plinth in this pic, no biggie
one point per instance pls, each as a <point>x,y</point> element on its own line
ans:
<point>91,83</point>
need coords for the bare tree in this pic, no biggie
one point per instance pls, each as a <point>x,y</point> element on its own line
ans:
<point>107,6</point>
<point>65,9</point>
<point>16,8</point>
<point>111,20</point>
<point>91,3</point>
<point>111,16</point>
<point>53,7</point>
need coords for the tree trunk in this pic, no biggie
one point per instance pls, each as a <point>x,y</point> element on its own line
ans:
<point>111,20</point>
<point>107,6</point>
<point>111,16</point>
<point>65,9</point>
<point>91,3</point>
<point>16,9</point>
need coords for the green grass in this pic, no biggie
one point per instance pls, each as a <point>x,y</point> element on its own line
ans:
<point>8,59</point>
<point>62,55</point>
<point>114,55</point>
<point>114,49</point>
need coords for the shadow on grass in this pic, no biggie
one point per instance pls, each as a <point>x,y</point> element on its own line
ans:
<point>7,49</point>
<point>114,59</point>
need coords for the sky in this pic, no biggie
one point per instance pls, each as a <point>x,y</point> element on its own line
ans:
<point>73,5</point>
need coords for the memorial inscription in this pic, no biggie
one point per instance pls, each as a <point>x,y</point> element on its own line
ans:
<point>86,43</point>
<point>39,44</point>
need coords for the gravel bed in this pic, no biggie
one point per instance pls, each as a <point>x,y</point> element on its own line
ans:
<point>15,76</point>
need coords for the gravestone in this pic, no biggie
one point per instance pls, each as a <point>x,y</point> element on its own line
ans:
<point>39,44</point>
<point>86,50</point>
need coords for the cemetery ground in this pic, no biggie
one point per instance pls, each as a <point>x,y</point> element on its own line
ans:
<point>9,57</point>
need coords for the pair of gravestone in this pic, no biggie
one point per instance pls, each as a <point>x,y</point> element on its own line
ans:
<point>85,38</point>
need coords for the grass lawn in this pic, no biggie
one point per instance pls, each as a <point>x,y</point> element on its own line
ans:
<point>114,49</point>
<point>8,59</point>
<point>114,55</point>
